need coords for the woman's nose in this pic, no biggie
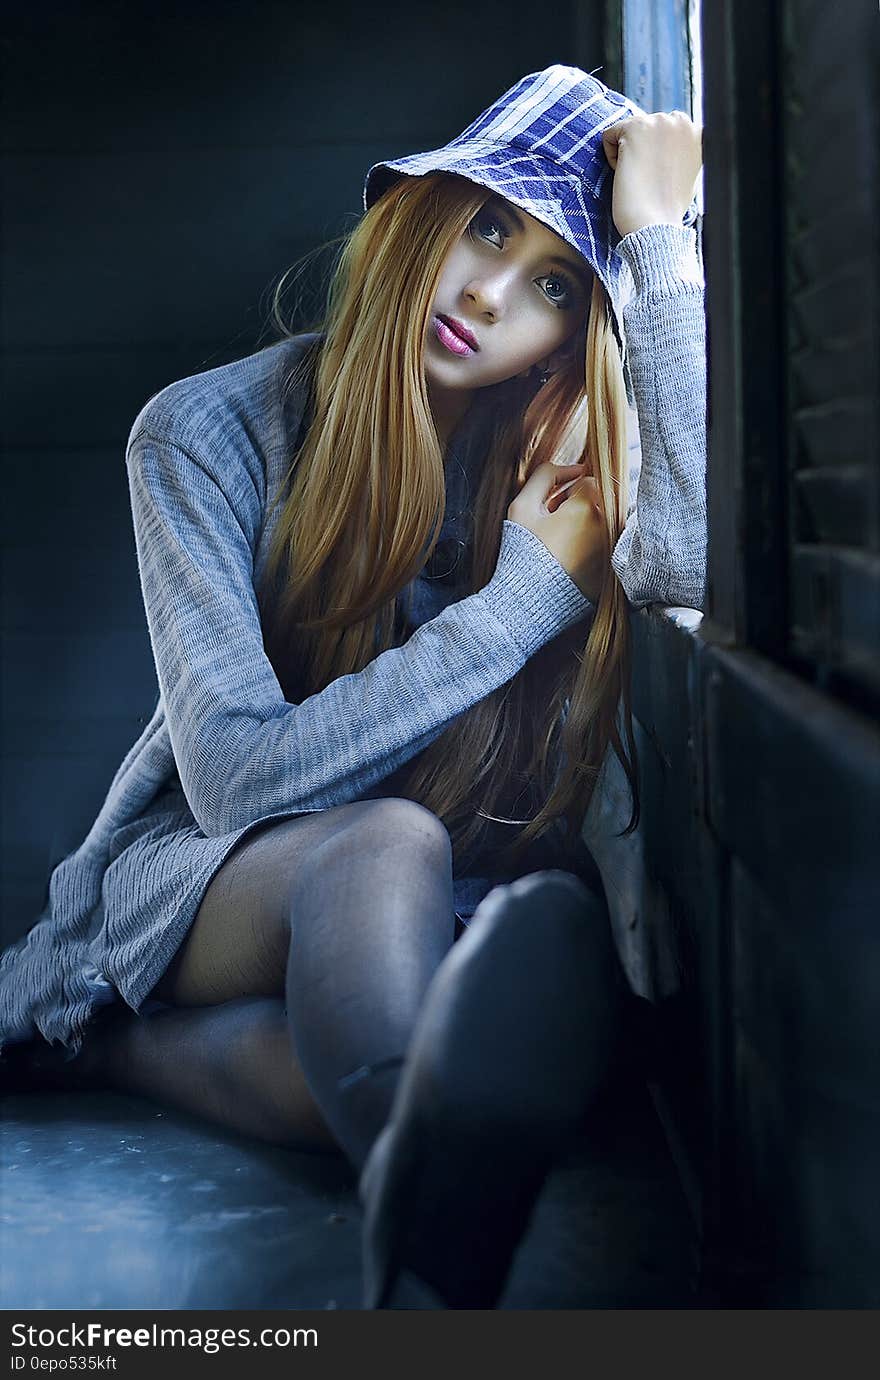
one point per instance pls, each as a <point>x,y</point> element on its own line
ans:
<point>488,294</point>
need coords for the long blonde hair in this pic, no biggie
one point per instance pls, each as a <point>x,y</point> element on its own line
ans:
<point>363,504</point>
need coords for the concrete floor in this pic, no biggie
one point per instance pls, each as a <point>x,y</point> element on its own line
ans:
<point>110,1202</point>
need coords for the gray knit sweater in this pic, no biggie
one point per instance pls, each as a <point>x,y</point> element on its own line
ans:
<point>224,751</point>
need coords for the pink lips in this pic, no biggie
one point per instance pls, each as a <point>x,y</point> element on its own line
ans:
<point>458,340</point>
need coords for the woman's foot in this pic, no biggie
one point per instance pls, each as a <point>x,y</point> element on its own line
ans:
<point>516,1036</point>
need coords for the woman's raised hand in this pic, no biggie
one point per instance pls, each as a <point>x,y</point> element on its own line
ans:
<point>567,520</point>
<point>656,161</point>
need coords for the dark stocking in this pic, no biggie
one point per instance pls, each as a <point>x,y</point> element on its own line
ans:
<point>293,998</point>
<point>371,919</point>
<point>517,1035</point>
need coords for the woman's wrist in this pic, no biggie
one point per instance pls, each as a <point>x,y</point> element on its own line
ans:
<point>530,592</point>
<point>662,259</point>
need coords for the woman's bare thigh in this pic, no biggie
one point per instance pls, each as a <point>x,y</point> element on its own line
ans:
<point>238,942</point>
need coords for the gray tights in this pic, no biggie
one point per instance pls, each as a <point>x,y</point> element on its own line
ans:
<point>291,1002</point>
<point>292,999</point>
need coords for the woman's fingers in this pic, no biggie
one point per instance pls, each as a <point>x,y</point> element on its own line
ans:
<point>656,160</point>
<point>610,140</point>
<point>569,523</point>
<point>548,487</point>
<point>583,491</point>
<point>544,478</point>
<point>557,497</point>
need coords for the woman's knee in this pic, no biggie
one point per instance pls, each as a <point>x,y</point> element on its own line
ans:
<point>560,906</point>
<point>550,890</point>
<point>392,836</point>
<point>398,822</point>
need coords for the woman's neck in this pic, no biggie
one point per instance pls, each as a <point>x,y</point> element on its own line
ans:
<point>448,410</point>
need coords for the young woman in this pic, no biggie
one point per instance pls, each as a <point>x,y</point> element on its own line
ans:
<point>385,570</point>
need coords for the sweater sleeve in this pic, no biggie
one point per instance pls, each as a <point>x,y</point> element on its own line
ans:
<point>661,553</point>
<point>243,752</point>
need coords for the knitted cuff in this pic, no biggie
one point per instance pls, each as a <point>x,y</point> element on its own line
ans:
<point>662,258</point>
<point>530,593</point>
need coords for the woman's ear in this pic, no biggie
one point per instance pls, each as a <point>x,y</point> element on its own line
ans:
<point>559,358</point>
<point>546,367</point>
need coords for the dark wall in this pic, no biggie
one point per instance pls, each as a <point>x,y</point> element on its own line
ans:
<point>162,165</point>
<point>785,689</point>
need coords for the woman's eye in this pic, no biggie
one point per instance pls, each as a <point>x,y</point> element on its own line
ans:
<point>558,289</point>
<point>490,228</point>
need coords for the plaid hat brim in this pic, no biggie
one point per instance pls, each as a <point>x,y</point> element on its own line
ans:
<point>527,180</point>
<point>581,218</point>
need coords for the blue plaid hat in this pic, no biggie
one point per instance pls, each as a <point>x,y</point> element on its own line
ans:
<point>540,146</point>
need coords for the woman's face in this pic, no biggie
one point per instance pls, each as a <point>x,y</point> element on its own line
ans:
<point>515,289</point>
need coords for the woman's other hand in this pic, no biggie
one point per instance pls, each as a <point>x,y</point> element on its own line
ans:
<point>560,504</point>
<point>656,161</point>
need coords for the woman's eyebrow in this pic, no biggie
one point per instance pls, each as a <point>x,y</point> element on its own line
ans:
<point>575,267</point>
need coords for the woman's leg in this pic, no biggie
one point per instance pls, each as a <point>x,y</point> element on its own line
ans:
<point>231,1063</point>
<point>294,994</point>
<point>517,1035</point>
